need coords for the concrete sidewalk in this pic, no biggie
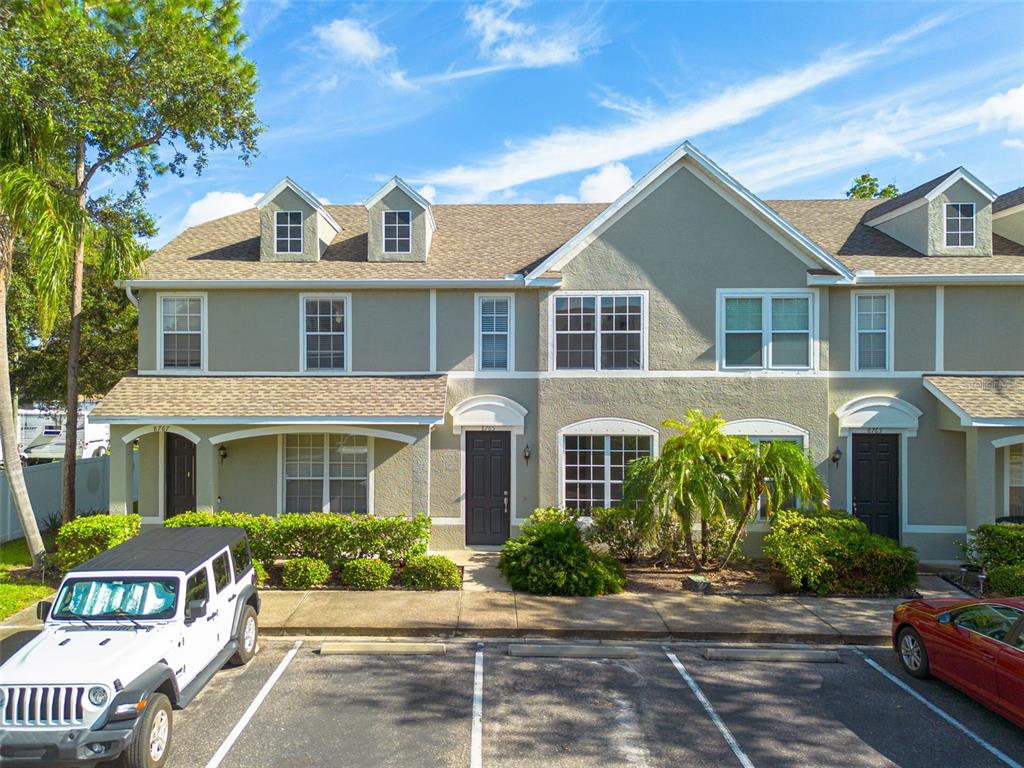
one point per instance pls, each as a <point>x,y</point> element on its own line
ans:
<point>478,613</point>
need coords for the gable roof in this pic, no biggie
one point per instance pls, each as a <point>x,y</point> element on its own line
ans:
<point>288,182</point>
<point>397,183</point>
<point>1008,200</point>
<point>981,400</point>
<point>925,193</point>
<point>756,209</point>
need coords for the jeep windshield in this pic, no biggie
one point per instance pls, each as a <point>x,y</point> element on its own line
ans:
<point>109,597</point>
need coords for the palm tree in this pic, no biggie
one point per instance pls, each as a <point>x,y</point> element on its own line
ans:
<point>772,473</point>
<point>36,215</point>
<point>688,481</point>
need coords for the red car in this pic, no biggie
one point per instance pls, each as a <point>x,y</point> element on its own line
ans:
<point>974,645</point>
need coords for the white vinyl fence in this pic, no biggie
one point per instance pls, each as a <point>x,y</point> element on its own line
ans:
<point>45,489</point>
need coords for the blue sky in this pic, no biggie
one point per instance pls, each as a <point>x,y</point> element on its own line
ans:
<point>512,101</point>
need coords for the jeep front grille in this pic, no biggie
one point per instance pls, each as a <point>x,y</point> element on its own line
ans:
<point>43,705</point>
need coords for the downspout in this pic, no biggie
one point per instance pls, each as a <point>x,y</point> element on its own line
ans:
<point>131,294</point>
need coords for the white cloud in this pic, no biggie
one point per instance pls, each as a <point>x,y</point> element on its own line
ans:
<point>215,204</point>
<point>429,191</point>
<point>1013,143</point>
<point>1003,109</point>
<point>327,84</point>
<point>352,42</point>
<point>606,184</point>
<point>569,150</point>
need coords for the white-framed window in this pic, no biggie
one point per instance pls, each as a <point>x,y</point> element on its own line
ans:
<point>327,473</point>
<point>288,232</point>
<point>182,339</point>
<point>495,316</point>
<point>599,331</point>
<point>872,336</point>
<point>593,457</point>
<point>1015,479</point>
<point>325,332</point>
<point>959,225</point>
<point>767,330</point>
<point>397,231</point>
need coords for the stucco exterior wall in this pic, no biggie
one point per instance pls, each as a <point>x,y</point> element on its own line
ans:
<point>984,329</point>
<point>960,192</point>
<point>910,228</point>
<point>287,200</point>
<point>253,330</point>
<point>249,476</point>
<point>390,331</point>
<point>148,457</point>
<point>1010,226</point>
<point>455,341</point>
<point>682,243</point>
<point>397,200</point>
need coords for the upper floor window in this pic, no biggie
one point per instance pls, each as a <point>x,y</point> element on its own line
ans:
<point>494,333</point>
<point>766,331</point>
<point>872,321</point>
<point>960,225</point>
<point>288,232</point>
<point>182,321</point>
<point>599,332</point>
<point>397,231</point>
<point>325,333</point>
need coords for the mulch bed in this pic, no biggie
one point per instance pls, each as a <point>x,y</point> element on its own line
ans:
<point>747,577</point>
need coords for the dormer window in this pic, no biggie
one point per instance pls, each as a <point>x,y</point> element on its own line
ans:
<point>397,231</point>
<point>960,225</point>
<point>288,232</point>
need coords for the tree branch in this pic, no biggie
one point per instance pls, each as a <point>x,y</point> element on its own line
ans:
<point>117,155</point>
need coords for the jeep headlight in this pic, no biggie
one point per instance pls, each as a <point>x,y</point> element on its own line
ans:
<point>97,696</point>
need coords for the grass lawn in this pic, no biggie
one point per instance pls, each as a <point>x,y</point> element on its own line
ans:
<point>17,592</point>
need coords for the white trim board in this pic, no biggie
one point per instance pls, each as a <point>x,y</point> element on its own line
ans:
<point>408,421</point>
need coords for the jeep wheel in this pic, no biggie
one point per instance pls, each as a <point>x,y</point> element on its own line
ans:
<point>152,739</point>
<point>248,636</point>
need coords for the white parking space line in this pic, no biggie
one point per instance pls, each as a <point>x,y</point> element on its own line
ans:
<point>225,747</point>
<point>476,749</point>
<point>1000,755</point>
<point>722,727</point>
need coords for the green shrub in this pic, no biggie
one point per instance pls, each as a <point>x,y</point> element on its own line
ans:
<point>305,573</point>
<point>86,537</point>
<point>258,528</point>
<point>830,551</point>
<point>430,572</point>
<point>550,557</point>
<point>261,572</point>
<point>625,532</point>
<point>999,544</point>
<point>1007,580</point>
<point>366,574</point>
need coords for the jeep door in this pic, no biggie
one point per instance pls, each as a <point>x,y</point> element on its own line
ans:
<point>222,614</point>
<point>199,634</point>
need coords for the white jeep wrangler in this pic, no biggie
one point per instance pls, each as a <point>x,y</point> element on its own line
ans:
<point>133,633</point>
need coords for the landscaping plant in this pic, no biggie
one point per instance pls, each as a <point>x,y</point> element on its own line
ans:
<point>305,573</point>
<point>366,574</point>
<point>1007,580</point>
<point>550,557</point>
<point>430,572</point>
<point>998,544</point>
<point>258,528</point>
<point>85,537</point>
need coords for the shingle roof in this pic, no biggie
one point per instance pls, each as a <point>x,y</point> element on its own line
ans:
<point>838,227</point>
<point>1010,199</point>
<point>984,397</point>
<point>477,242</point>
<point>879,209</point>
<point>213,397</point>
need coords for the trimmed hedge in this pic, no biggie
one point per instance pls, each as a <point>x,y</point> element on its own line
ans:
<point>366,574</point>
<point>1007,580</point>
<point>999,544</point>
<point>305,573</point>
<point>830,551</point>
<point>430,572</point>
<point>333,538</point>
<point>85,537</point>
<point>550,557</point>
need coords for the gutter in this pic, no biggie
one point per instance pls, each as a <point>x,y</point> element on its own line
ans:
<point>873,279</point>
<point>507,282</point>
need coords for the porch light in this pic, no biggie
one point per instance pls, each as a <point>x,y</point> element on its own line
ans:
<point>836,456</point>
<point>222,452</point>
<point>527,453</point>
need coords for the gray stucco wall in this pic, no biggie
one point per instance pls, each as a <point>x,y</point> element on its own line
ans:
<point>910,228</point>
<point>248,476</point>
<point>390,330</point>
<point>984,328</point>
<point>659,244</point>
<point>397,200</point>
<point>312,246</point>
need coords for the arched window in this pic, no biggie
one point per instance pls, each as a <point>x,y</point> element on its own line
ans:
<point>593,456</point>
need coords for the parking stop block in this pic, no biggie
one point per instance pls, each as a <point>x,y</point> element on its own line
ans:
<point>571,651</point>
<point>382,649</point>
<point>772,654</point>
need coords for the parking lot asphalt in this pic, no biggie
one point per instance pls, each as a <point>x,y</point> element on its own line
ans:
<point>640,712</point>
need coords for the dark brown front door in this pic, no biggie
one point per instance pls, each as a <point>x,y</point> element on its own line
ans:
<point>488,484</point>
<point>180,459</point>
<point>876,483</point>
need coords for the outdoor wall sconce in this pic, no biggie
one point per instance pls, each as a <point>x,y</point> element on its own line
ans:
<point>222,452</point>
<point>527,453</point>
<point>836,456</point>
